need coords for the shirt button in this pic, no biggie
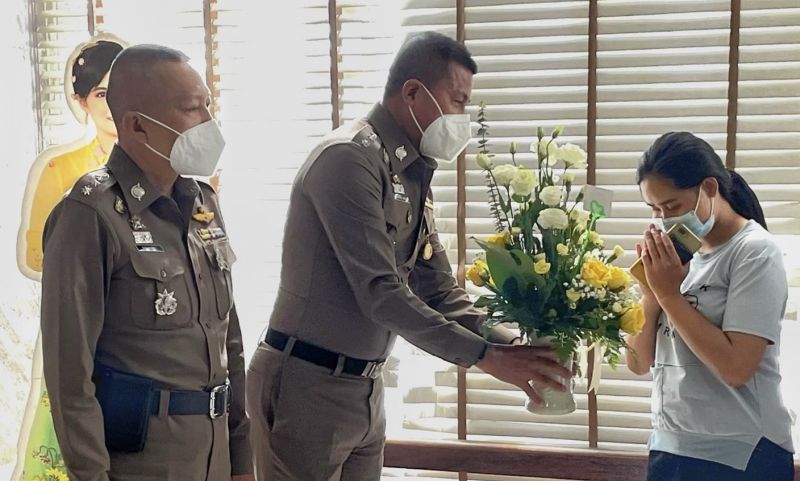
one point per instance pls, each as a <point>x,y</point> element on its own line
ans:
<point>163,273</point>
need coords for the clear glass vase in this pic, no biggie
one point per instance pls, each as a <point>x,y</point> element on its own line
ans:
<point>555,402</point>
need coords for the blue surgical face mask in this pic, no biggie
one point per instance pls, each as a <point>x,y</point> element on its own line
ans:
<point>690,220</point>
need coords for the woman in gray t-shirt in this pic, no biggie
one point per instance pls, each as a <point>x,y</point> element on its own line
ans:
<point>713,325</point>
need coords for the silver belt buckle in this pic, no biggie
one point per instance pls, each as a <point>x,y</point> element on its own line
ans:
<point>212,401</point>
<point>373,369</point>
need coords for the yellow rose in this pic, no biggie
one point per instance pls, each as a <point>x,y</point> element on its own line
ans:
<point>595,273</point>
<point>573,295</point>
<point>478,273</point>
<point>632,321</point>
<point>541,266</point>
<point>562,249</point>
<point>618,278</point>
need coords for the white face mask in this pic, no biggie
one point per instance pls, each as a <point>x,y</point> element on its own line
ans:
<point>196,151</point>
<point>690,220</point>
<point>446,136</point>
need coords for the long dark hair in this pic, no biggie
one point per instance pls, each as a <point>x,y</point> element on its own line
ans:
<point>687,160</point>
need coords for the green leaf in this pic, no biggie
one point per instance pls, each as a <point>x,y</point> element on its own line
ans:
<point>507,264</point>
<point>484,301</point>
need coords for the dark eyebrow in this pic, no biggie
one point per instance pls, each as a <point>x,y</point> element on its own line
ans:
<point>670,201</point>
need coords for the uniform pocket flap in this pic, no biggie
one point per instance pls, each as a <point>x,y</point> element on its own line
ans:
<point>221,254</point>
<point>158,267</point>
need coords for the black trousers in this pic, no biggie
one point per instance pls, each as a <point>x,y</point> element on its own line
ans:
<point>769,462</point>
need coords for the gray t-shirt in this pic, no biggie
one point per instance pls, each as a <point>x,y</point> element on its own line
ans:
<point>740,287</point>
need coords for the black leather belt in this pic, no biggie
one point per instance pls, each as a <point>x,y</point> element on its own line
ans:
<point>323,357</point>
<point>214,402</point>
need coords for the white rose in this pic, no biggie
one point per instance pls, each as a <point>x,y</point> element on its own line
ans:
<point>551,195</point>
<point>580,216</point>
<point>573,156</point>
<point>483,161</point>
<point>504,174</point>
<point>524,181</point>
<point>553,218</point>
<point>546,147</point>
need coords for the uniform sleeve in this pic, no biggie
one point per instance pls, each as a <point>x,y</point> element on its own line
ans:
<point>757,294</point>
<point>432,280</point>
<point>78,250</point>
<point>238,423</point>
<point>345,190</point>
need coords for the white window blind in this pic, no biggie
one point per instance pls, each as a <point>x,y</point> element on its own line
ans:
<point>59,26</point>
<point>274,106</point>
<point>177,24</point>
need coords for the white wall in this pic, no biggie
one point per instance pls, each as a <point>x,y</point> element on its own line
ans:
<point>18,315</point>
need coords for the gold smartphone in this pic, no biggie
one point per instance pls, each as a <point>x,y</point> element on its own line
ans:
<point>686,244</point>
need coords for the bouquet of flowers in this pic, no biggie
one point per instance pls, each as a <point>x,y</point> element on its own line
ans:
<point>546,268</point>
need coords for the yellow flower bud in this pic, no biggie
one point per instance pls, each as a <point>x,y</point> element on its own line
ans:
<point>497,240</point>
<point>541,267</point>
<point>573,295</point>
<point>562,249</point>
<point>478,273</point>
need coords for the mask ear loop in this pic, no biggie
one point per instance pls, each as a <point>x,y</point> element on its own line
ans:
<point>414,117</point>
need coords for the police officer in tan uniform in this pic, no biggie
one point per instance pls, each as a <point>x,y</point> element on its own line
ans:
<point>362,263</point>
<point>142,348</point>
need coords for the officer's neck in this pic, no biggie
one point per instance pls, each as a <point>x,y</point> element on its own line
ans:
<point>159,172</point>
<point>162,179</point>
<point>399,111</point>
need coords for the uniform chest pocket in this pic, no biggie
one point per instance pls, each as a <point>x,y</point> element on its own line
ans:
<point>159,295</point>
<point>220,259</point>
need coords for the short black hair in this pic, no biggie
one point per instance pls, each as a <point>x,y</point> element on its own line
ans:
<point>426,57</point>
<point>133,67</point>
<point>92,64</point>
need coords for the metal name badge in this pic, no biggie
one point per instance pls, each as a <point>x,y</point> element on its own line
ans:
<point>143,237</point>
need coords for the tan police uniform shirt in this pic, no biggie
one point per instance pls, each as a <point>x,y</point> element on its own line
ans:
<point>362,260</point>
<point>119,258</point>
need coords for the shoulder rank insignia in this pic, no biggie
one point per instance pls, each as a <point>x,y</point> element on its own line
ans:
<point>100,177</point>
<point>119,206</point>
